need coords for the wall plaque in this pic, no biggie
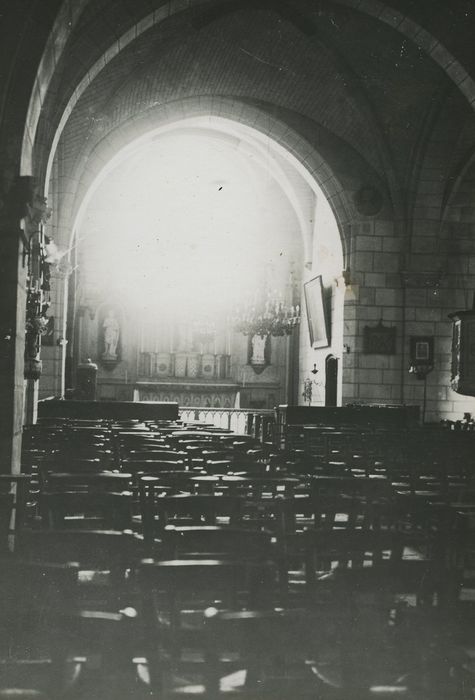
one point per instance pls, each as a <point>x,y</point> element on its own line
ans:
<point>379,340</point>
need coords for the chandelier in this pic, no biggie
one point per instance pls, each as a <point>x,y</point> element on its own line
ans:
<point>269,317</point>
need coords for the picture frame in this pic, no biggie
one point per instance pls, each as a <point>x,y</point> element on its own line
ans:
<point>379,340</point>
<point>422,349</point>
<point>317,316</point>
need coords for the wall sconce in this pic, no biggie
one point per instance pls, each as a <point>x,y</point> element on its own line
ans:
<point>420,371</point>
<point>422,362</point>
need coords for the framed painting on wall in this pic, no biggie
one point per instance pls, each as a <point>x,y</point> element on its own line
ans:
<point>316,313</point>
<point>379,340</point>
<point>422,349</point>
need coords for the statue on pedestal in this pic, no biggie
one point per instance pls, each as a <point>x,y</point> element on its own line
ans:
<point>258,343</point>
<point>111,333</point>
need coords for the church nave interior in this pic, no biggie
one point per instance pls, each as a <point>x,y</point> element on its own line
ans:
<point>237,349</point>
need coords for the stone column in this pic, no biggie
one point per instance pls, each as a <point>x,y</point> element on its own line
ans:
<point>12,323</point>
<point>64,273</point>
<point>53,356</point>
<point>38,281</point>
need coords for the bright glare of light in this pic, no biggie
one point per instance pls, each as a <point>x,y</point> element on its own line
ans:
<point>187,225</point>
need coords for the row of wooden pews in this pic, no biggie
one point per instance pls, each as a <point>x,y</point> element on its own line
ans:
<point>163,559</point>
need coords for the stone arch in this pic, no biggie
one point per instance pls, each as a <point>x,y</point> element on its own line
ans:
<point>374,8</point>
<point>238,116</point>
<point>64,24</point>
<point>253,119</point>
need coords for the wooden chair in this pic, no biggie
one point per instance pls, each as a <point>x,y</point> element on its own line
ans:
<point>211,541</point>
<point>152,467</point>
<point>202,482</point>
<point>248,654</point>
<point>94,510</point>
<point>175,481</point>
<point>392,607</point>
<point>108,481</point>
<point>240,443</point>
<point>303,511</point>
<point>154,453</point>
<point>258,653</point>
<point>63,465</point>
<point>107,642</point>
<point>218,453</point>
<point>175,594</point>
<point>33,653</point>
<point>255,547</point>
<point>380,563</point>
<point>260,486</point>
<point>401,613</point>
<point>349,485</point>
<point>106,556</point>
<point>127,443</point>
<point>90,548</point>
<point>310,523</point>
<point>217,466</point>
<point>196,509</point>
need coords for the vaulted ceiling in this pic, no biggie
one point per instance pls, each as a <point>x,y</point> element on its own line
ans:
<point>371,86</point>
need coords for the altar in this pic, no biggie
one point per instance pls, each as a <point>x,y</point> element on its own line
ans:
<point>196,394</point>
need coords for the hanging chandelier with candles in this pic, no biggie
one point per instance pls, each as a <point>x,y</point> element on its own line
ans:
<point>269,317</point>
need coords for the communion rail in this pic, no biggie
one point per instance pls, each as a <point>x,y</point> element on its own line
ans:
<point>259,423</point>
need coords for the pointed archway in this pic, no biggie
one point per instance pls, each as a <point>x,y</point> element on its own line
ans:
<point>296,182</point>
